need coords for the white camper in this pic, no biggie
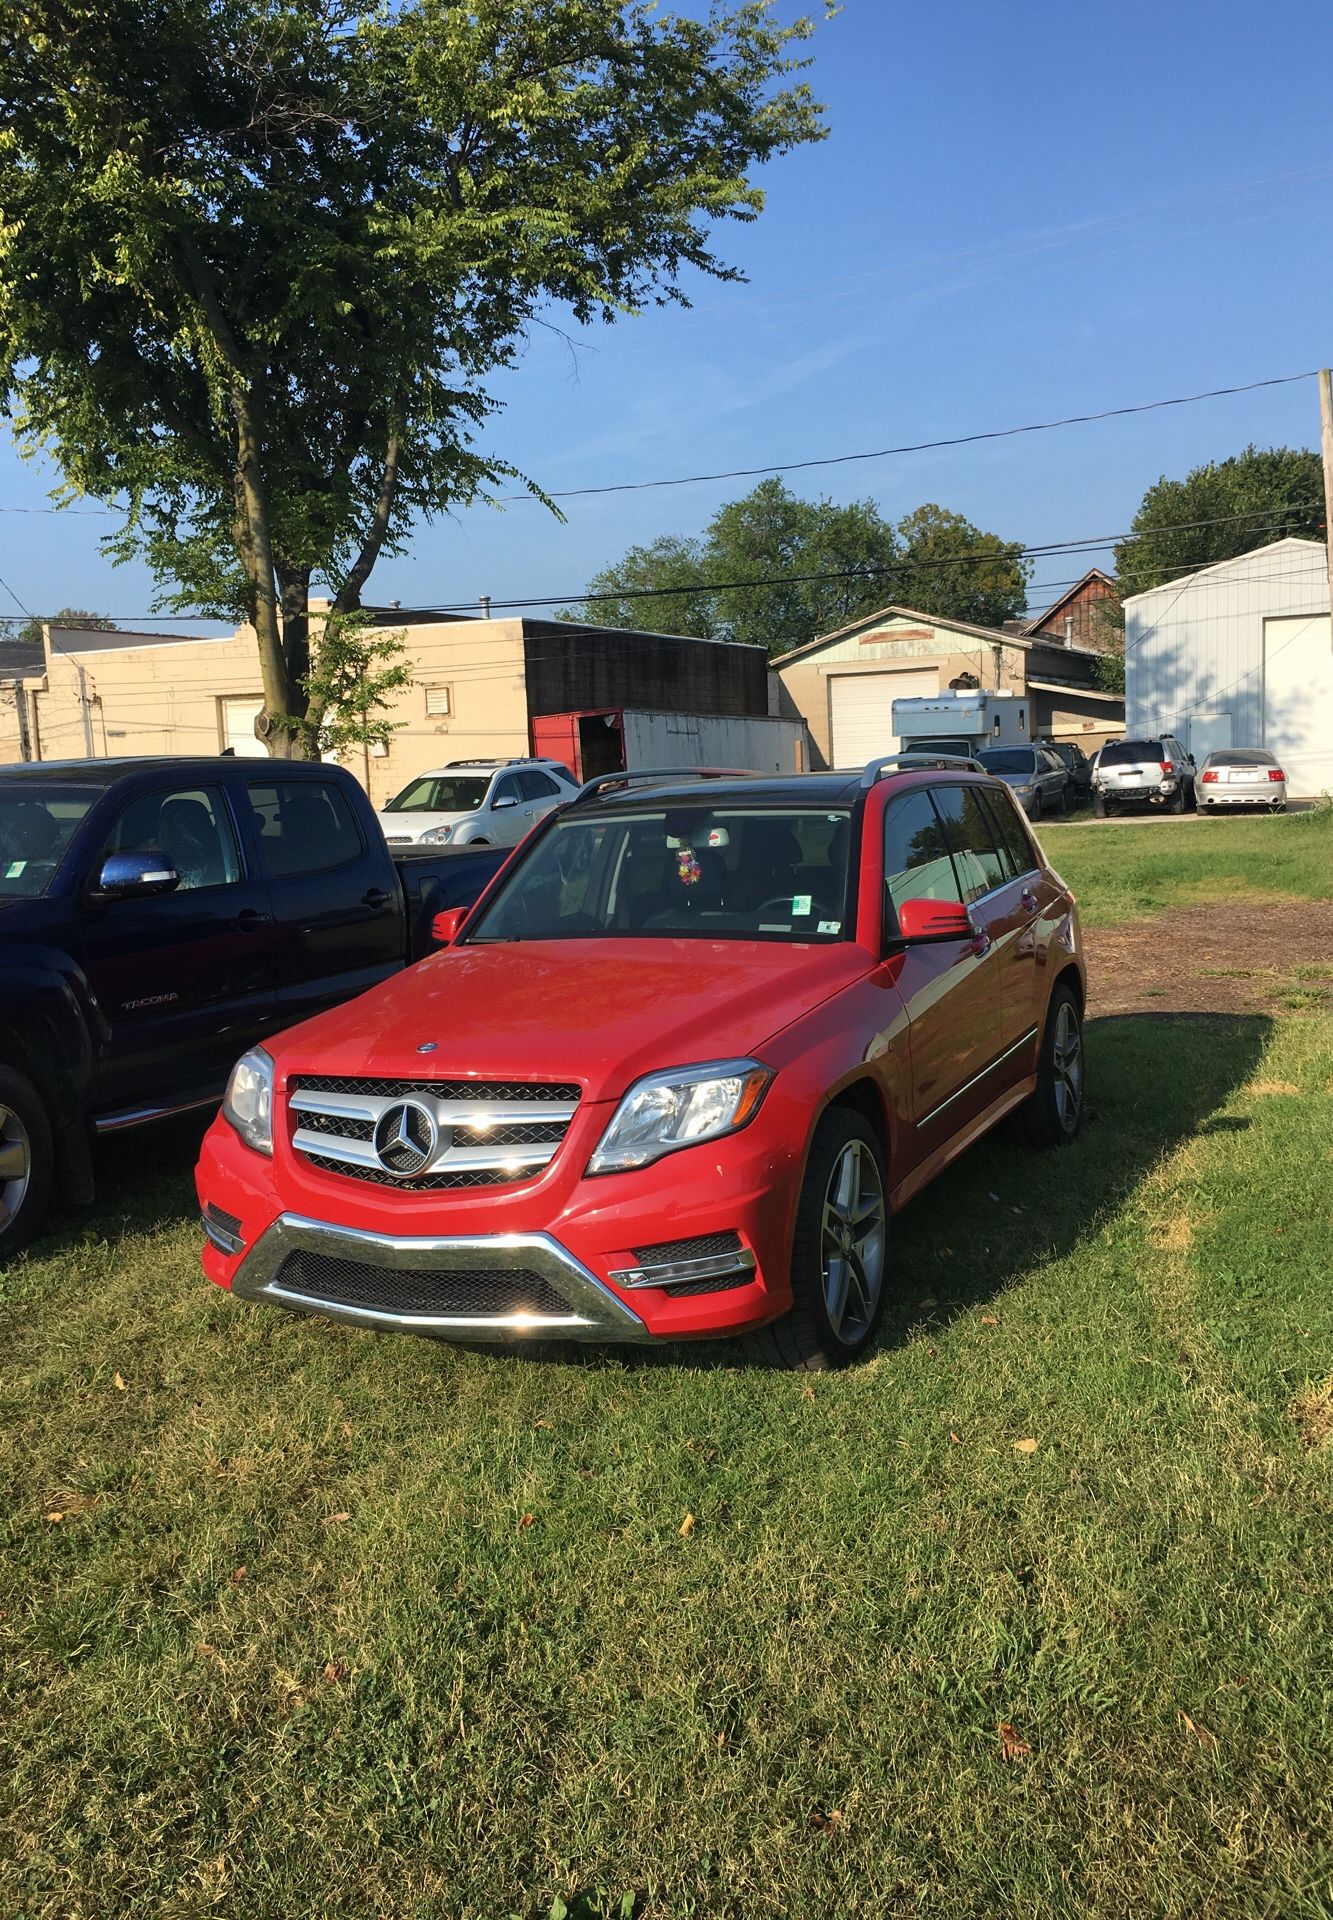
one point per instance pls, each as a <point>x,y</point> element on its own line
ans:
<point>962,723</point>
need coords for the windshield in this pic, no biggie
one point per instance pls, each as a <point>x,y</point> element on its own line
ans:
<point>441,793</point>
<point>1006,759</point>
<point>1133,753</point>
<point>36,826</point>
<point>1241,757</point>
<point>719,873</point>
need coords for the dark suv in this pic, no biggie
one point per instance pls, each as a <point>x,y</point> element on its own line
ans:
<point>1076,764</point>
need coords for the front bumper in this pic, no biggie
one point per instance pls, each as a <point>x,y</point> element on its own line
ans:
<point>697,1246</point>
<point>285,1265</point>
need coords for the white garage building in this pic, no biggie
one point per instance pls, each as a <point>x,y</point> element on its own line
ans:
<point>1239,654</point>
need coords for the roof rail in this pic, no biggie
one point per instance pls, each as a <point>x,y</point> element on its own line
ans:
<point>603,781</point>
<point>915,762</point>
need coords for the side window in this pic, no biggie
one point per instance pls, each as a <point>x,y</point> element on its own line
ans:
<point>538,786</point>
<point>506,788</point>
<point>916,854</point>
<point>190,827</point>
<point>305,826</point>
<point>967,831</point>
<point>1009,833</point>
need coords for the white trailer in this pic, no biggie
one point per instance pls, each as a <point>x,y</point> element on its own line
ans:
<point>962,722</point>
<point>743,741</point>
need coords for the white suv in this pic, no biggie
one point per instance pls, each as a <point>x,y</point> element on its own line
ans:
<point>475,803</point>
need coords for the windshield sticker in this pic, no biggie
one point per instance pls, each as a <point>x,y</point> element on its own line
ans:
<point>15,869</point>
<point>800,904</point>
<point>830,926</point>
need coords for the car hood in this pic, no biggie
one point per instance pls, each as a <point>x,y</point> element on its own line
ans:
<point>1014,779</point>
<point>601,1012</point>
<point>418,822</point>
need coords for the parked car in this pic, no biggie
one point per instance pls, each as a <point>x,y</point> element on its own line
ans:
<point>1242,777</point>
<point>476,803</point>
<point>1039,780</point>
<point>1152,772</point>
<point>673,1076</point>
<point>1076,764</point>
<point>156,914</point>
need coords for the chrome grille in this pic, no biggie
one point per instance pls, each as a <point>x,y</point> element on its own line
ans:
<point>430,1135</point>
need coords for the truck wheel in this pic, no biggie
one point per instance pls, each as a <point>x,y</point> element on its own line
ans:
<point>839,1252</point>
<point>1098,807</point>
<point>1053,1112</point>
<point>26,1161</point>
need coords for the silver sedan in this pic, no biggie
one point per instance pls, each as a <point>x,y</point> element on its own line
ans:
<point>1241,777</point>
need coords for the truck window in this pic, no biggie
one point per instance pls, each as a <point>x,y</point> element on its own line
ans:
<point>917,865</point>
<point>304,826</point>
<point>35,829</point>
<point>190,827</point>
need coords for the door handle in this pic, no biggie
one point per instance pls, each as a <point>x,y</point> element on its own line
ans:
<point>375,897</point>
<point>250,920</point>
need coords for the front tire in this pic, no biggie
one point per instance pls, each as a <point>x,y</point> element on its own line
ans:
<point>1053,1113</point>
<point>27,1161</point>
<point>839,1252</point>
<point>1035,814</point>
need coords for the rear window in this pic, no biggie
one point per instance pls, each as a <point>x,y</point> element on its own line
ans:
<point>1006,759</point>
<point>1241,757</point>
<point>1131,753</point>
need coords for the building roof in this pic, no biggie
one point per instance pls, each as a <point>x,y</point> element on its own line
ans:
<point>1309,547</point>
<point>19,660</point>
<point>1093,573</point>
<point>996,635</point>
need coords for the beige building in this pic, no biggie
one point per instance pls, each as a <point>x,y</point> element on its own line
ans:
<point>476,686</point>
<point>844,684</point>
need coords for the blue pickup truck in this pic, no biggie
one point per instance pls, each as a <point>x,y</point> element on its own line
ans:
<point>157,917</point>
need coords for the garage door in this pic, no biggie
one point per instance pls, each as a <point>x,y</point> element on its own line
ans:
<point>861,711</point>
<point>238,725</point>
<point>1298,702</point>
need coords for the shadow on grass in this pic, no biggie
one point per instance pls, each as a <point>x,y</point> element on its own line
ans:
<point>1154,1081</point>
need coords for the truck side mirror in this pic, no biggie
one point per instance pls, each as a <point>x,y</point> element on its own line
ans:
<point>446,927</point>
<point>136,876</point>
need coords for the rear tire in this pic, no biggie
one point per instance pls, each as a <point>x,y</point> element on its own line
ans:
<point>27,1162</point>
<point>1053,1113</point>
<point>1176,804</point>
<point>839,1254</point>
<point>1100,810</point>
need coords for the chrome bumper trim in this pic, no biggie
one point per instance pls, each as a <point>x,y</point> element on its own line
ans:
<point>679,1273</point>
<point>595,1313</point>
<point>228,1243</point>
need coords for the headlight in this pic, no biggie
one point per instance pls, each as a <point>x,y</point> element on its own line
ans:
<point>437,837</point>
<point>666,1111</point>
<point>248,1101</point>
<point>1027,789</point>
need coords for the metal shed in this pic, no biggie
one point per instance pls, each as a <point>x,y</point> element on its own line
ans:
<point>1239,655</point>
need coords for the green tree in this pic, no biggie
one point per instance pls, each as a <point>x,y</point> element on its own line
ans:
<point>258,258</point>
<point>770,536</point>
<point>655,589</point>
<point>955,571</point>
<point>1220,510</point>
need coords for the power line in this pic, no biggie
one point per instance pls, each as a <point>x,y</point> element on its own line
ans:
<point>915,446</point>
<point>845,459</point>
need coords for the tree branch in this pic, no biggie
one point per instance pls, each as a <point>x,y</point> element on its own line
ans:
<point>348,597</point>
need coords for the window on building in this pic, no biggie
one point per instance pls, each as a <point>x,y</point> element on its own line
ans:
<point>439,701</point>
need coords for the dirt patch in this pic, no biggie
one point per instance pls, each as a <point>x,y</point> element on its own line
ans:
<point>1274,956</point>
<point>1312,1412</point>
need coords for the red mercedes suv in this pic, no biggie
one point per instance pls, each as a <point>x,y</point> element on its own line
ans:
<point>673,1074</point>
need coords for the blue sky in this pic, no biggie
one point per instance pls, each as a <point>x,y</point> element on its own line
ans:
<point>1021,211</point>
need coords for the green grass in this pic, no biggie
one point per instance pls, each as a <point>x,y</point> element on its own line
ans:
<point>1131,871</point>
<point>296,1648</point>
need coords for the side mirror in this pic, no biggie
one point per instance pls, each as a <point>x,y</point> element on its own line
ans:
<point>136,876</point>
<point>505,800</point>
<point>446,927</point>
<point>920,921</point>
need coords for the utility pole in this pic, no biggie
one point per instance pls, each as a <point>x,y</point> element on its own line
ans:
<point>85,706</point>
<point>1326,441</point>
<point>21,707</point>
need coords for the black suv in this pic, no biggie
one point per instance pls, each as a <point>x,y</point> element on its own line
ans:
<point>1076,764</point>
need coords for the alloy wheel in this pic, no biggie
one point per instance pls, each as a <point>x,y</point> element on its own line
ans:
<point>15,1163</point>
<point>1067,1060</point>
<point>853,1243</point>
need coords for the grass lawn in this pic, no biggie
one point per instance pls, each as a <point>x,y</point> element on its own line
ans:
<point>304,1621</point>
<point>1128,871</point>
